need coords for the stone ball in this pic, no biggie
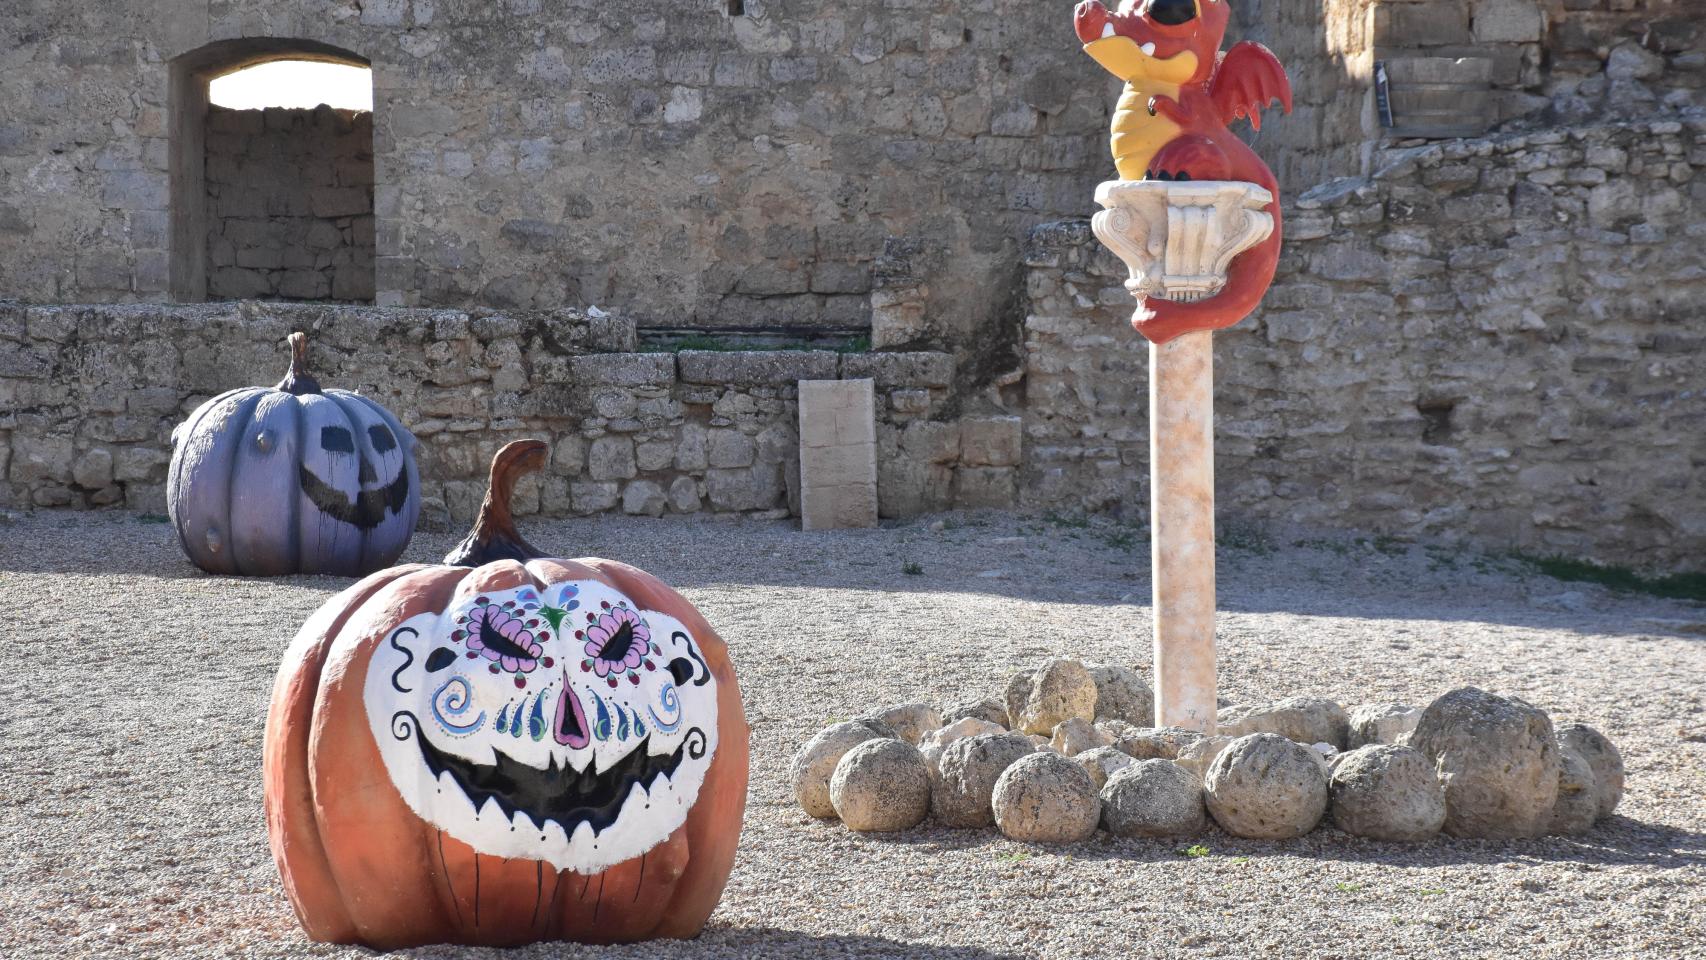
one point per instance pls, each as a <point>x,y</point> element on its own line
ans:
<point>1123,694</point>
<point>989,709</point>
<point>1197,755</point>
<point>1046,798</point>
<point>1386,792</point>
<point>1603,757</point>
<point>1102,763</point>
<point>1116,729</point>
<point>815,762</point>
<point>1380,723</point>
<point>1303,719</point>
<point>909,721</point>
<point>1153,798</point>
<point>1060,690</point>
<point>1018,692</point>
<point>1073,737</point>
<point>1266,787</point>
<point>1577,806</point>
<point>1498,760</point>
<point>1157,743</point>
<point>937,741</point>
<point>881,786</point>
<point>967,771</point>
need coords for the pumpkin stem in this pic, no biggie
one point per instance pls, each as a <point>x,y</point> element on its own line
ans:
<point>297,382</point>
<point>494,536</point>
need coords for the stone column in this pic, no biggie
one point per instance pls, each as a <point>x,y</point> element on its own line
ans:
<point>1181,459</point>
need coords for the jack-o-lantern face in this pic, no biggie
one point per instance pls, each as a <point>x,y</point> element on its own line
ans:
<point>561,723</point>
<point>505,748</point>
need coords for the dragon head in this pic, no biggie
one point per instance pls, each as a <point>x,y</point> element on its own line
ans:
<point>1171,41</point>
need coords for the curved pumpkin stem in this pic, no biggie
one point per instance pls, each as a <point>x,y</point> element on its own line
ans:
<point>297,382</point>
<point>494,536</point>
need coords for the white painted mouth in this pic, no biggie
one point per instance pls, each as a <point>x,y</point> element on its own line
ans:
<point>1107,30</point>
<point>1148,49</point>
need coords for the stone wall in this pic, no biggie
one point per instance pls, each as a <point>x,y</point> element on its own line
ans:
<point>289,204</point>
<point>89,396</point>
<point>1496,340</point>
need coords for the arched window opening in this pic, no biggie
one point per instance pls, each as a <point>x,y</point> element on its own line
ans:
<point>273,173</point>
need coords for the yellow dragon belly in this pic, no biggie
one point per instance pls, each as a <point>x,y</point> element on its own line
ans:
<point>1137,135</point>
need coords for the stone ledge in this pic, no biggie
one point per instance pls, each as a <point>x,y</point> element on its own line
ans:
<point>891,370</point>
<point>757,367</point>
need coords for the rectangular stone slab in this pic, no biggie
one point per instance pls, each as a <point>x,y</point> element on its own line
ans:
<point>838,454</point>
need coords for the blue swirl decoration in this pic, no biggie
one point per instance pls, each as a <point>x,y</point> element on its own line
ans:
<point>452,701</point>
<point>671,701</point>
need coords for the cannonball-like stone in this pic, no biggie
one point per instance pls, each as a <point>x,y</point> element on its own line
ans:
<point>966,775</point>
<point>1046,798</point>
<point>1577,806</point>
<point>1380,723</point>
<point>1123,694</point>
<point>1386,792</point>
<point>1197,755</point>
<point>937,741</point>
<point>1157,743</point>
<point>1498,760</point>
<point>989,709</point>
<point>1603,757</point>
<point>881,786</point>
<point>1116,729</point>
<point>1266,787</point>
<point>1102,763</point>
<point>1303,719</point>
<point>815,762</point>
<point>909,721</point>
<point>1153,798</point>
<point>1017,694</point>
<point>1073,737</point>
<point>1060,690</point>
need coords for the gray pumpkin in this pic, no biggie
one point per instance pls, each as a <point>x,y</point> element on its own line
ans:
<point>293,479</point>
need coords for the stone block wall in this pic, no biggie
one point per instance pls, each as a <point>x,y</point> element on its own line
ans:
<point>1496,340</point>
<point>289,204</point>
<point>89,396</point>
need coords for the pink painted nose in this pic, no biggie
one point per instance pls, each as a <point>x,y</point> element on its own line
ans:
<point>569,727</point>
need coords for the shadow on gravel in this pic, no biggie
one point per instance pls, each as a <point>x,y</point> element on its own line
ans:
<point>720,942</point>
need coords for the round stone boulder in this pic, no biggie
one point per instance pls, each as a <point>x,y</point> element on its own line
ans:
<point>937,741</point>
<point>1303,719</point>
<point>1266,787</point>
<point>1386,792</point>
<point>1122,694</point>
<point>1059,691</point>
<point>1102,763</point>
<point>1498,760</point>
<point>1046,798</point>
<point>881,786</point>
<point>1157,743</point>
<point>1380,723</point>
<point>1075,736</point>
<point>989,710</point>
<point>815,762</point>
<point>966,775</point>
<point>909,721</point>
<point>1603,757</point>
<point>1197,755</point>
<point>1577,806</point>
<point>1153,798</point>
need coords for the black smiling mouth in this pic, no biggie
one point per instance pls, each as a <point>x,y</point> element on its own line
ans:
<point>555,794</point>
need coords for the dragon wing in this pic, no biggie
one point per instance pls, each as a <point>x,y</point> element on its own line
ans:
<point>1248,78</point>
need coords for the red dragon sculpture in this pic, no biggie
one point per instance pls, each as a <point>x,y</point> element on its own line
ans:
<point>1171,123</point>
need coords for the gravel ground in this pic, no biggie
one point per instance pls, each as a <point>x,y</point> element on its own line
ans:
<point>130,797</point>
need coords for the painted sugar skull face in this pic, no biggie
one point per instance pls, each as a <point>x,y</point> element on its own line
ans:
<point>560,724</point>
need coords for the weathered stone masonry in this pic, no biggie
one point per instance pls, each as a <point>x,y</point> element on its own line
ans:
<point>89,396</point>
<point>1497,340</point>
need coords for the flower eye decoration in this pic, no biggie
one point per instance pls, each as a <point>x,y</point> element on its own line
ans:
<point>617,643</point>
<point>500,634</point>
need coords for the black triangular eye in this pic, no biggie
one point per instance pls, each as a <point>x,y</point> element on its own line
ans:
<point>439,659</point>
<point>336,440</point>
<point>681,669</point>
<point>383,441</point>
<point>1172,12</point>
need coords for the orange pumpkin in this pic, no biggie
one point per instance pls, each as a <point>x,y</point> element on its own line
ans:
<point>505,749</point>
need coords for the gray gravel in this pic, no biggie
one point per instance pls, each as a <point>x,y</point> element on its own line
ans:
<point>130,800</point>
